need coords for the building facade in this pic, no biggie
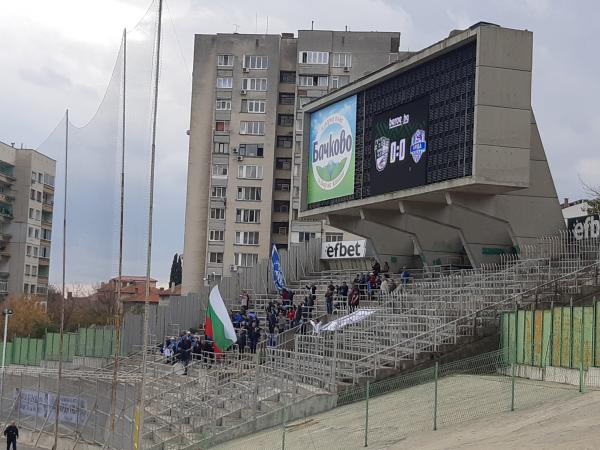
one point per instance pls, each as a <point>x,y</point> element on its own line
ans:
<point>243,188</point>
<point>27,180</point>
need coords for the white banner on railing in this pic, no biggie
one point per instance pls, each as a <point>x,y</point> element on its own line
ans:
<point>43,404</point>
<point>354,317</point>
<point>344,249</point>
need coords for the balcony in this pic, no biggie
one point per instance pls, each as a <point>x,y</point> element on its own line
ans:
<point>5,198</point>
<point>6,214</point>
<point>48,206</point>
<point>48,188</point>
<point>43,261</point>
<point>7,172</point>
<point>42,279</point>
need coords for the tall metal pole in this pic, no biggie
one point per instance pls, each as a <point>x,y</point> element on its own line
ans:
<point>119,304</point>
<point>150,213</point>
<point>62,297</point>
<point>5,338</point>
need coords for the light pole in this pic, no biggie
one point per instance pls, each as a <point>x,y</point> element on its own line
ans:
<point>6,313</point>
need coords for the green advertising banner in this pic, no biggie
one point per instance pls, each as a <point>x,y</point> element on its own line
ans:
<point>332,147</point>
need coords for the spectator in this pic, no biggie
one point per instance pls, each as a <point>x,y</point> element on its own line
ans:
<point>253,336</point>
<point>12,434</point>
<point>272,321</point>
<point>405,275</point>
<point>391,285</point>
<point>344,290</point>
<point>356,279</point>
<point>329,301</point>
<point>186,352</point>
<point>245,300</point>
<point>371,284</point>
<point>242,341</point>
<point>384,286</point>
<point>386,267</point>
<point>376,268</point>
<point>272,339</point>
<point>311,305</point>
<point>353,299</point>
<point>281,320</point>
<point>312,289</point>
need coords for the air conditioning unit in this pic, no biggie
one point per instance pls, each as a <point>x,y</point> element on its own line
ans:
<point>243,92</point>
<point>245,70</point>
<point>346,69</point>
<point>233,268</point>
<point>240,158</point>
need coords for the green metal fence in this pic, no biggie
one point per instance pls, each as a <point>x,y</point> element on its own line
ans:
<point>564,336</point>
<point>96,342</point>
<point>382,413</point>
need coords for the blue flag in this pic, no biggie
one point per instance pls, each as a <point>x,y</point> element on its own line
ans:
<point>278,277</point>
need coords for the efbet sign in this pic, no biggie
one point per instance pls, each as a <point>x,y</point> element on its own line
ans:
<point>344,249</point>
<point>585,227</point>
<point>331,152</point>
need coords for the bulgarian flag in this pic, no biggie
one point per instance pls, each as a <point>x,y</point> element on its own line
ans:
<point>218,324</point>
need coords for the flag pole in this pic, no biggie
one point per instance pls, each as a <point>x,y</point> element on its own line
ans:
<point>119,304</point>
<point>62,297</point>
<point>149,248</point>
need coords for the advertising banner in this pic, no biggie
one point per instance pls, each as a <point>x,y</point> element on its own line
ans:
<point>43,404</point>
<point>400,147</point>
<point>584,227</point>
<point>344,249</point>
<point>331,151</point>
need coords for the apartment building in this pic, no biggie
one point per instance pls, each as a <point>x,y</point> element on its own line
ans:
<point>26,207</point>
<point>246,139</point>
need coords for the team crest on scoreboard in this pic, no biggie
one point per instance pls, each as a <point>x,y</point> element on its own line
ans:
<point>418,145</point>
<point>382,151</point>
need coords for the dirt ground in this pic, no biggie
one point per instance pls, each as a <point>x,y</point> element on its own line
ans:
<point>473,413</point>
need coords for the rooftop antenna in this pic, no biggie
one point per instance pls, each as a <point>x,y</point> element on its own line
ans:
<point>236,27</point>
<point>267,32</point>
<point>312,25</point>
<point>346,28</point>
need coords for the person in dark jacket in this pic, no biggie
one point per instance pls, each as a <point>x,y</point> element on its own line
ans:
<point>12,434</point>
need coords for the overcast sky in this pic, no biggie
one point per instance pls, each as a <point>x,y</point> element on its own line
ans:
<point>60,54</point>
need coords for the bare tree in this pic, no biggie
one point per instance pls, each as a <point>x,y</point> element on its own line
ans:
<point>594,193</point>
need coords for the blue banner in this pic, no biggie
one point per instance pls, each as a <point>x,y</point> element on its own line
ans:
<point>278,277</point>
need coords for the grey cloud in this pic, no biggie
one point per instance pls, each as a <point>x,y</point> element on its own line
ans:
<point>45,77</point>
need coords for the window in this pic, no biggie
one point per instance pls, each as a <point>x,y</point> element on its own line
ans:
<point>28,252</point>
<point>218,192</point>
<point>38,195</point>
<point>223,105</point>
<point>250,172</point>
<point>280,227</point>
<point>286,98</point>
<point>224,82</point>
<point>225,60</point>
<point>285,120</point>
<point>283,163</point>
<point>27,269</point>
<point>38,215</point>
<point>253,106</point>
<point>31,213</point>
<point>44,252</point>
<point>219,170</point>
<point>287,77</point>
<point>48,179</point>
<point>338,81</point>
<point>341,59</point>
<point>246,259</point>
<point>246,237</point>
<point>281,206</point>
<point>35,251</point>
<point>216,235</point>
<point>247,215</point>
<point>32,196</point>
<point>30,232</point>
<point>313,57</point>
<point>221,147</point>
<point>249,193</point>
<point>217,213</point>
<point>334,237</point>
<point>36,233</point>
<point>251,150</point>
<point>281,184</point>
<point>222,125</point>
<point>215,257</point>
<point>313,80</point>
<point>256,62</point>
<point>40,177</point>
<point>305,236</point>
<point>285,141</point>
<point>26,288</point>
<point>254,84</point>
<point>46,234</point>
<point>34,271</point>
<point>253,128</point>
<point>33,177</point>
